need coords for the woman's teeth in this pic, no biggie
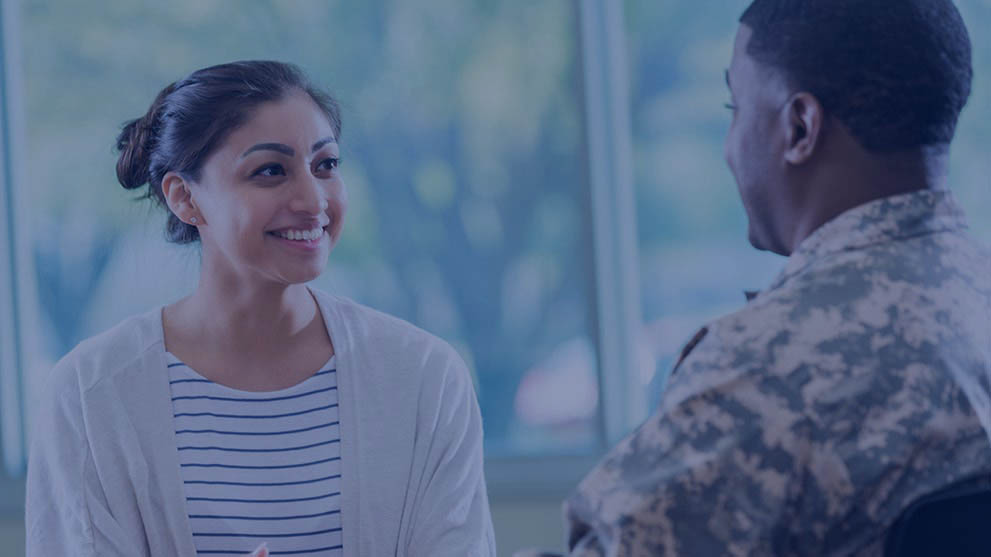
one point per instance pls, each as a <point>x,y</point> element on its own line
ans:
<point>300,234</point>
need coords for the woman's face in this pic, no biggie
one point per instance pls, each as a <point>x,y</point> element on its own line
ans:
<point>271,198</point>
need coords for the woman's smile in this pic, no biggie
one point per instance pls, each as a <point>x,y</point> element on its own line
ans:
<point>306,239</point>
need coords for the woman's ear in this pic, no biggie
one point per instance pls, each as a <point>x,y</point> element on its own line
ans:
<point>804,116</point>
<point>179,198</point>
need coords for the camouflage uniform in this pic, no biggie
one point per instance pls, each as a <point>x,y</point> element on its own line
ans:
<point>804,423</point>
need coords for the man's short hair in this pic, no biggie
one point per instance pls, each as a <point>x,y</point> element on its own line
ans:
<point>897,73</point>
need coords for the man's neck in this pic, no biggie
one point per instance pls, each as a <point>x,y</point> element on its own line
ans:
<point>853,183</point>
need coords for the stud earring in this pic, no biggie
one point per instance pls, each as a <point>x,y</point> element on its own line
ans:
<point>192,220</point>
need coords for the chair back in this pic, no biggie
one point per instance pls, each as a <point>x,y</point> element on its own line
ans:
<point>953,521</point>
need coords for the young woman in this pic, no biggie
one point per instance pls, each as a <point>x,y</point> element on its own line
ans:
<point>256,411</point>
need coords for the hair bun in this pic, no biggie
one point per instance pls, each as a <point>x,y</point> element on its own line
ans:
<point>135,143</point>
<point>133,162</point>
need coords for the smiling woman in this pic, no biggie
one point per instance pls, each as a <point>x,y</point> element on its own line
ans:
<point>256,409</point>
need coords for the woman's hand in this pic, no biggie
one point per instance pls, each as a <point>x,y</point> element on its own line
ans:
<point>262,551</point>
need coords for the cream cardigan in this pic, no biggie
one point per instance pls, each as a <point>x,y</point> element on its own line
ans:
<point>103,477</point>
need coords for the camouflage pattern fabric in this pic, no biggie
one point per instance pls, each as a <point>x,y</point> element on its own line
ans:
<point>804,423</point>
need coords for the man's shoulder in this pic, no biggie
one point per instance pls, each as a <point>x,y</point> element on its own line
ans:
<point>859,290</point>
<point>850,327</point>
<point>926,262</point>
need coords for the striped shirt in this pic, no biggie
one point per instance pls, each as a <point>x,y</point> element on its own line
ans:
<point>259,467</point>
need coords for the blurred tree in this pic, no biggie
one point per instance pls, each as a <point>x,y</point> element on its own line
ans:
<point>462,134</point>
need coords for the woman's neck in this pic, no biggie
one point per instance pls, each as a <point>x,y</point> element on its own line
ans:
<point>233,315</point>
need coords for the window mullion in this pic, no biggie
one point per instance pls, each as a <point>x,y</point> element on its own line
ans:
<point>11,272</point>
<point>609,157</point>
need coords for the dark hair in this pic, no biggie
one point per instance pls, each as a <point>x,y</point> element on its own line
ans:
<point>896,73</point>
<point>192,117</point>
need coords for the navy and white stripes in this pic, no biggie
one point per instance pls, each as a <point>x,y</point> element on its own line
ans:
<point>259,466</point>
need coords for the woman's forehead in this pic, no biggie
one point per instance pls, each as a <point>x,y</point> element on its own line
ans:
<point>297,122</point>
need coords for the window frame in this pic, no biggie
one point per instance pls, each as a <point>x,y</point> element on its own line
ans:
<point>12,430</point>
<point>610,213</point>
<point>608,148</point>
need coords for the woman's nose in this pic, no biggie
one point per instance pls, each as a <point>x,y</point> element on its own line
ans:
<point>309,196</point>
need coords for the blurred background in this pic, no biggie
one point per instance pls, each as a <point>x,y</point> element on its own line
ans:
<point>541,183</point>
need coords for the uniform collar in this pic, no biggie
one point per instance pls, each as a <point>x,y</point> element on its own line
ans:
<point>880,221</point>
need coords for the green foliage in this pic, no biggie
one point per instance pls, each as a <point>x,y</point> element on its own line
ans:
<point>460,145</point>
<point>462,152</point>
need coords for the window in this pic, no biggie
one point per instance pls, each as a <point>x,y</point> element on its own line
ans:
<point>11,411</point>
<point>462,150</point>
<point>527,180</point>
<point>695,260</point>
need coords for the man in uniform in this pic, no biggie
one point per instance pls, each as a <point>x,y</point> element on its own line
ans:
<point>859,380</point>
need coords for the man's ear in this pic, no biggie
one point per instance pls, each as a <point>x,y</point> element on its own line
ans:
<point>804,117</point>
<point>180,199</point>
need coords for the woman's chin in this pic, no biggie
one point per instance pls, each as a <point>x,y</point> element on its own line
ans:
<point>300,274</point>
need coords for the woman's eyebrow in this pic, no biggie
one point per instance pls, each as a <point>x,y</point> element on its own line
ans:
<point>281,148</point>
<point>321,143</point>
<point>285,149</point>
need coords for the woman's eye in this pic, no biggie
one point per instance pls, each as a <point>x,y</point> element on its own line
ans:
<point>270,170</point>
<point>329,164</point>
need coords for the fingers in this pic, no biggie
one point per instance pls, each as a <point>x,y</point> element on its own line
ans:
<point>262,551</point>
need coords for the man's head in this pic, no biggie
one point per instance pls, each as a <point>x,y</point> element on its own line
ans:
<point>827,92</point>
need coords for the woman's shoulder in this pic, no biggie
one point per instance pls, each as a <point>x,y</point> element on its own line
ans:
<point>106,353</point>
<point>362,324</point>
<point>397,369</point>
<point>392,344</point>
